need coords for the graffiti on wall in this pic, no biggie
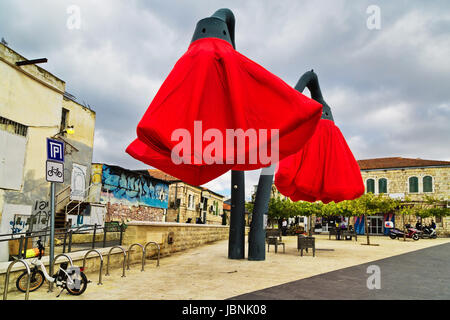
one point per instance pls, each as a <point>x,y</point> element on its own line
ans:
<point>133,187</point>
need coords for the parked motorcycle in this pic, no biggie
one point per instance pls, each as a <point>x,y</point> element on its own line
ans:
<point>412,233</point>
<point>428,232</point>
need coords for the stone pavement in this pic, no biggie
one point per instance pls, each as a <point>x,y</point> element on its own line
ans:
<point>206,272</point>
<point>423,274</point>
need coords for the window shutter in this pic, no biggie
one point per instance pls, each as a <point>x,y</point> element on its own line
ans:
<point>382,185</point>
<point>413,185</point>
<point>427,184</point>
<point>370,187</point>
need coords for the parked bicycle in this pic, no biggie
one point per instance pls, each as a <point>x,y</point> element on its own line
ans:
<point>72,279</point>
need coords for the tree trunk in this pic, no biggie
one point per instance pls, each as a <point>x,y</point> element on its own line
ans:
<point>366,225</point>
<point>404,229</point>
<point>310,225</point>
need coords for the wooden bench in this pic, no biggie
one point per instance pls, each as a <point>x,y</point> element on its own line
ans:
<point>273,237</point>
<point>306,243</point>
<point>331,232</point>
<point>350,234</point>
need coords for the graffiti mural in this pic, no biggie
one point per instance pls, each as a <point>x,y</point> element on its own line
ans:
<point>136,188</point>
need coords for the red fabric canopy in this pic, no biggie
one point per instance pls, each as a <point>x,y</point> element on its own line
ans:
<point>325,169</point>
<point>215,84</point>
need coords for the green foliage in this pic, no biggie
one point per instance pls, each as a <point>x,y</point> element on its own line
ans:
<point>367,204</point>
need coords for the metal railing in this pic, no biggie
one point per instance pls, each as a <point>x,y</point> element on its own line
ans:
<point>157,247</point>
<point>129,254</point>
<point>52,267</point>
<point>5,289</point>
<point>123,263</point>
<point>101,264</point>
<point>66,235</point>
<point>77,205</point>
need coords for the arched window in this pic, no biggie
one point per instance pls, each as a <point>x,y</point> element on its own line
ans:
<point>413,185</point>
<point>370,185</point>
<point>427,184</point>
<point>382,185</point>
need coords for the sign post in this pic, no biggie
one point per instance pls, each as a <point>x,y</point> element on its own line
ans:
<point>54,173</point>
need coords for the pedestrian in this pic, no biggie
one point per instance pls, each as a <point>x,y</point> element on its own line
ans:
<point>284,227</point>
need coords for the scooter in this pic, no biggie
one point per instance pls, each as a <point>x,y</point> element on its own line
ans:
<point>412,233</point>
<point>70,278</point>
<point>428,232</point>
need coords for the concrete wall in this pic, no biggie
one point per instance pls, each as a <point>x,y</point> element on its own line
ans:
<point>185,235</point>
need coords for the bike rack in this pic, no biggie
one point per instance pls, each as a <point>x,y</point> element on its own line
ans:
<point>5,290</point>
<point>50,285</point>
<point>101,264</point>
<point>143,255</point>
<point>157,246</point>
<point>124,260</point>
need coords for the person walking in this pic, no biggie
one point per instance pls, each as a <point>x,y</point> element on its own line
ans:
<point>284,227</point>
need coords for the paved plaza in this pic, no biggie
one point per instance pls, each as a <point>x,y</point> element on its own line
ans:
<point>408,270</point>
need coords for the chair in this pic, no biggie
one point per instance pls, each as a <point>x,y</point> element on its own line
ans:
<point>305,243</point>
<point>273,237</point>
<point>332,231</point>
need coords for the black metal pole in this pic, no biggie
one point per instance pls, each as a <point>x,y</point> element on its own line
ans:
<point>236,241</point>
<point>257,235</point>
<point>93,237</point>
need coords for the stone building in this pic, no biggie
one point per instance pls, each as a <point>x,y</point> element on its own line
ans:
<point>188,203</point>
<point>407,178</point>
<point>34,106</point>
<point>128,195</point>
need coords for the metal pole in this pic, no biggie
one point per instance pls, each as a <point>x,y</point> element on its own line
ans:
<point>52,226</point>
<point>257,236</point>
<point>236,242</point>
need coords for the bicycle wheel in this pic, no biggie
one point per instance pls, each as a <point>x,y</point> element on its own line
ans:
<point>36,281</point>
<point>83,285</point>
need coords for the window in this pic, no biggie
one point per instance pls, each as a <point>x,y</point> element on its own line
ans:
<point>382,185</point>
<point>64,119</point>
<point>370,185</point>
<point>427,184</point>
<point>190,201</point>
<point>413,185</point>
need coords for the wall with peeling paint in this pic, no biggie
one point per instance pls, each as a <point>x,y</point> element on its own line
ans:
<point>33,97</point>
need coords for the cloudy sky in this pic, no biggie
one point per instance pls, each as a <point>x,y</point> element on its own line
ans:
<point>389,88</point>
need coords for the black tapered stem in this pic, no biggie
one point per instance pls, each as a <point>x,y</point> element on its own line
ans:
<point>236,241</point>
<point>310,80</point>
<point>257,235</point>
<point>219,25</point>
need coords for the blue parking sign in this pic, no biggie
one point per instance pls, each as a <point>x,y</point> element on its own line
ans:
<point>55,150</point>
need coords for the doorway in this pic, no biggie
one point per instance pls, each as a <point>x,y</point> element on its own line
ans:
<point>375,225</point>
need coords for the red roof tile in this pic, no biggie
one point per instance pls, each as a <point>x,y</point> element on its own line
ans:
<point>161,175</point>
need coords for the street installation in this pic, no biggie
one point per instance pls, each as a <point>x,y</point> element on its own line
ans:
<point>218,110</point>
<point>325,168</point>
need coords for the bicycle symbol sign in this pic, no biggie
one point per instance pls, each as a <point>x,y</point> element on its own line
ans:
<point>54,171</point>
